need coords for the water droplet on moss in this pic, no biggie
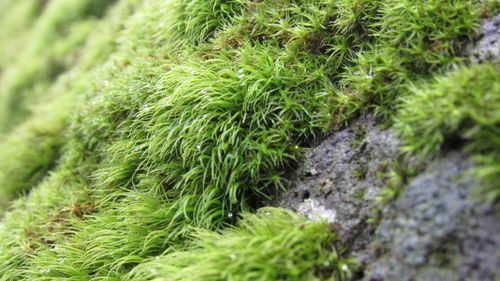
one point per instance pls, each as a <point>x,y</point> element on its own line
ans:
<point>47,270</point>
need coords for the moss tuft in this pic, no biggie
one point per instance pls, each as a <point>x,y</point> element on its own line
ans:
<point>460,108</point>
<point>272,244</point>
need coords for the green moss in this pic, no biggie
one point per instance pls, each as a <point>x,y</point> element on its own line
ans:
<point>358,138</point>
<point>413,40</point>
<point>272,244</point>
<point>51,46</point>
<point>460,108</point>
<point>30,152</point>
<point>138,125</point>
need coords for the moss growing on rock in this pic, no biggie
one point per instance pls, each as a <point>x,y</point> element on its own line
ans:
<point>460,108</point>
<point>135,122</point>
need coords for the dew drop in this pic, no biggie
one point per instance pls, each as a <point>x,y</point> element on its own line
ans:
<point>344,267</point>
<point>145,108</point>
<point>230,215</point>
<point>47,270</point>
<point>203,91</point>
<point>198,146</point>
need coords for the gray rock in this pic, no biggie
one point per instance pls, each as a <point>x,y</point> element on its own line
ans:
<point>488,47</point>
<point>436,230</point>
<point>339,179</point>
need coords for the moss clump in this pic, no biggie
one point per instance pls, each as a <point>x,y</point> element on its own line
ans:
<point>412,40</point>
<point>30,150</point>
<point>458,108</point>
<point>51,46</point>
<point>272,244</point>
<point>173,115</point>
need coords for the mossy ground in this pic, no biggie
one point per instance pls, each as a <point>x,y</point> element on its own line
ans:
<point>133,132</point>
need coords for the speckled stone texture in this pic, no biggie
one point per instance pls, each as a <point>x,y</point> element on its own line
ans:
<point>339,179</point>
<point>437,230</point>
<point>488,47</point>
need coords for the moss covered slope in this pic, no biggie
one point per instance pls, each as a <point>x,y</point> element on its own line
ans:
<point>135,134</point>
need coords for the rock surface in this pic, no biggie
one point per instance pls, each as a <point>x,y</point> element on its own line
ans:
<point>488,47</point>
<point>339,179</point>
<point>436,230</point>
